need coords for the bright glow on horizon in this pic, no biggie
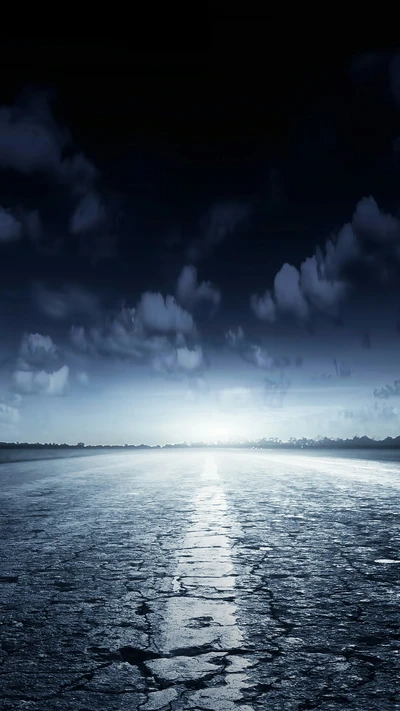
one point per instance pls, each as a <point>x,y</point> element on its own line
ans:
<point>214,431</point>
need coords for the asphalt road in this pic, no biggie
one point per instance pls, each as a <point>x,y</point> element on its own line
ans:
<point>194,581</point>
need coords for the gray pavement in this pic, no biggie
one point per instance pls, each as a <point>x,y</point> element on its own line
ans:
<point>195,580</point>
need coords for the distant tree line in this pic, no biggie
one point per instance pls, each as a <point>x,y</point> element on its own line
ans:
<point>271,443</point>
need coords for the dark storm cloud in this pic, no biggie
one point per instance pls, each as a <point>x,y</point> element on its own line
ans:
<point>388,391</point>
<point>217,225</point>
<point>190,293</point>
<point>322,282</point>
<point>64,303</point>
<point>10,228</point>
<point>31,141</point>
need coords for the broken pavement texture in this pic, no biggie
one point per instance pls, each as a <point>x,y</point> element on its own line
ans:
<point>182,581</point>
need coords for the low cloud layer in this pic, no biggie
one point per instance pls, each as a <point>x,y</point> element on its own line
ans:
<point>40,382</point>
<point>388,391</point>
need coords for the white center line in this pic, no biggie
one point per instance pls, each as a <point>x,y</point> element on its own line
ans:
<point>200,627</point>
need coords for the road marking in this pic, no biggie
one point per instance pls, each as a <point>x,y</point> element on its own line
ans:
<point>200,627</point>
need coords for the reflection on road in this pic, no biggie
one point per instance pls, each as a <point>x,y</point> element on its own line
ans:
<point>200,627</point>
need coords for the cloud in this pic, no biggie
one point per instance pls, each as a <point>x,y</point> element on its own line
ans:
<point>373,224</point>
<point>36,351</point>
<point>31,141</point>
<point>256,354</point>
<point>70,300</point>
<point>288,292</point>
<point>342,369</point>
<point>264,307</point>
<point>28,382</point>
<point>388,391</point>
<point>36,368</point>
<point>151,333</point>
<point>120,335</point>
<point>78,172</point>
<point>163,314</point>
<point>275,391</point>
<point>235,338</point>
<point>179,360</point>
<point>189,293</point>
<point>370,414</point>
<point>82,378</point>
<point>89,214</point>
<point>8,415</point>
<point>197,388</point>
<point>217,225</point>
<point>154,333</point>
<point>10,228</point>
<point>323,282</point>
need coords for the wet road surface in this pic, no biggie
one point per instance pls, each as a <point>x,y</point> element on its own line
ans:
<point>194,581</point>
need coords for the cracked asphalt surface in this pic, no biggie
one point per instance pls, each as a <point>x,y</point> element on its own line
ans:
<point>194,580</point>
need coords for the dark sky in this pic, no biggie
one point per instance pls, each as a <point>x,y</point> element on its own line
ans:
<point>199,236</point>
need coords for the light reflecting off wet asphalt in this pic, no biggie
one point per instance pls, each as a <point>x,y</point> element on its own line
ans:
<point>202,617</point>
<point>193,580</point>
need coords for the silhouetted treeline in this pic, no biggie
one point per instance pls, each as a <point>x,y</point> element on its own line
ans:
<point>273,443</point>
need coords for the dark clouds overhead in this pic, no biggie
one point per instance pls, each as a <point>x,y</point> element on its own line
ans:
<point>206,222</point>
